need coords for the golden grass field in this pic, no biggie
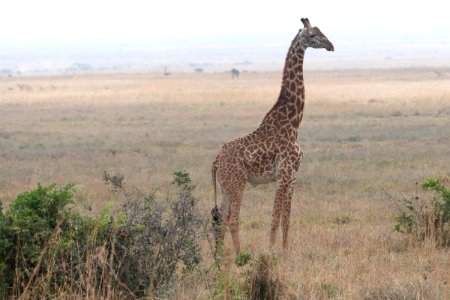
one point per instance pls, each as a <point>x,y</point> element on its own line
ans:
<point>364,133</point>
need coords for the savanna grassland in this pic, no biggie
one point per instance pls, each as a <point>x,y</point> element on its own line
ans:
<point>368,136</point>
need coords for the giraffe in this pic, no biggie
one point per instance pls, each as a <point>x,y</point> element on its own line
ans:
<point>270,153</point>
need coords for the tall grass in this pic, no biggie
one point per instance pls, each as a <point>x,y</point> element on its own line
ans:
<point>364,132</point>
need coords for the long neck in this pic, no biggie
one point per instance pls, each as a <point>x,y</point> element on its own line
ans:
<point>292,95</point>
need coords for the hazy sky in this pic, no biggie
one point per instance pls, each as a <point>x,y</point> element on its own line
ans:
<point>73,21</point>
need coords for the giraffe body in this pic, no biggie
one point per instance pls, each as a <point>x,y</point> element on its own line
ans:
<point>270,153</point>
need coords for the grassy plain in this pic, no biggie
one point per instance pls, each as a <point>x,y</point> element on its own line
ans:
<point>364,133</point>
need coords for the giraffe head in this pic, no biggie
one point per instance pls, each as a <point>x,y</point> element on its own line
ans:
<point>312,37</point>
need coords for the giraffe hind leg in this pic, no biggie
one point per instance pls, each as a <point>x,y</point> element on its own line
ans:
<point>233,218</point>
<point>275,220</point>
<point>219,222</point>
<point>230,209</point>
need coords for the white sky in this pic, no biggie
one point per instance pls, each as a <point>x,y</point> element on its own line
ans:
<point>40,21</point>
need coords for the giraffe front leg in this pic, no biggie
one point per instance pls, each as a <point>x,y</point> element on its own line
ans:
<point>234,230</point>
<point>286,212</point>
<point>275,220</point>
<point>286,179</point>
<point>280,195</point>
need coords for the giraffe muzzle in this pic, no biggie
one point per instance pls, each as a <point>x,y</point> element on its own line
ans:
<point>330,47</point>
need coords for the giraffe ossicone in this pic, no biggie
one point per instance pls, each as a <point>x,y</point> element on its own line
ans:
<point>271,152</point>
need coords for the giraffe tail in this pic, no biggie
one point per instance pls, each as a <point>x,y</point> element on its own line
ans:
<point>216,215</point>
<point>214,181</point>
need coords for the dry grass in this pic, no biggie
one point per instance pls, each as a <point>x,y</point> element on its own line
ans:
<point>363,131</point>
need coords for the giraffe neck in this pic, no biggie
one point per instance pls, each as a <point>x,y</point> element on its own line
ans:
<point>291,101</point>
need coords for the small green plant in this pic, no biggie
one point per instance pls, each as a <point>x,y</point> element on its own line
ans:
<point>228,288</point>
<point>342,219</point>
<point>264,283</point>
<point>427,220</point>
<point>331,290</point>
<point>257,280</point>
<point>242,259</point>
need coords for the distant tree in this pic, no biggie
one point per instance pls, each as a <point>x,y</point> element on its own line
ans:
<point>6,72</point>
<point>198,70</point>
<point>82,67</point>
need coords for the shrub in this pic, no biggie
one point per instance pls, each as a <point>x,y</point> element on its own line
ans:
<point>47,250</point>
<point>29,230</point>
<point>161,238</point>
<point>427,219</point>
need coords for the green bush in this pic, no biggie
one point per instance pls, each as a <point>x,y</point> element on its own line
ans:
<point>30,227</point>
<point>47,250</point>
<point>427,219</point>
